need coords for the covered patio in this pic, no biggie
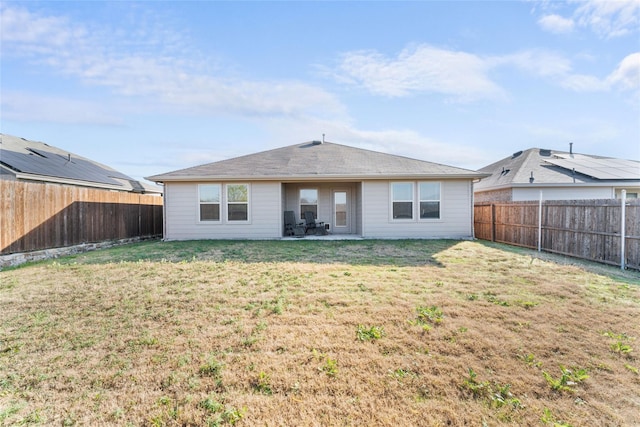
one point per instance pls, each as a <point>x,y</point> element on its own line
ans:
<point>336,206</point>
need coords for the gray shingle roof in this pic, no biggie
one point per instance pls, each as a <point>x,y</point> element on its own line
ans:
<point>318,161</point>
<point>26,159</point>
<point>548,167</point>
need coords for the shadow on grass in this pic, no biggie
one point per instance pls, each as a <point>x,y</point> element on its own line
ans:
<point>357,252</point>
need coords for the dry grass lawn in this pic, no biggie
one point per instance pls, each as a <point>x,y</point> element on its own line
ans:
<point>311,333</point>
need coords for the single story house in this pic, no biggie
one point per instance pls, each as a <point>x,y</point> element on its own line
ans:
<point>560,175</point>
<point>352,191</point>
<point>25,160</point>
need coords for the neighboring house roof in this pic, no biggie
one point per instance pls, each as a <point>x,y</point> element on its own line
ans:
<point>316,161</point>
<point>32,160</point>
<point>553,168</point>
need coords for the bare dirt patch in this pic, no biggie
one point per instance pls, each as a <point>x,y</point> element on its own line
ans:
<point>318,333</point>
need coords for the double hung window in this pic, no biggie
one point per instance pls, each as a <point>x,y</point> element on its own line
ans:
<point>237,202</point>
<point>216,199</point>
<point>309,201</point>
<point>402,200</point>
<point>411,198</point>
<point>429,196</point>
<point>209,195</point>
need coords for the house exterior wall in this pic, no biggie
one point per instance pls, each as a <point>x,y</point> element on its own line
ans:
<point>455,213</point>
<point>562,193</point>
<point>370,211</point>
<point>182,214</point>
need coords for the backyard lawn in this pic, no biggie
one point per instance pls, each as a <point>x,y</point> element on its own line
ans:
<point>319,333</point>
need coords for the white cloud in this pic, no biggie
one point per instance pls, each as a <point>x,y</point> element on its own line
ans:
<point>537,62</point>
<point>627,75</point>
<point>556,24</point>
<point>606,18</point>
<point>609,18</point>
<point>467,77</point>
<point>147,73</point>
<point>559,69</point>
<point>422,68</point>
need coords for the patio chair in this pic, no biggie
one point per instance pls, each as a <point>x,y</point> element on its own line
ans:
<point>291,227</point>
<point>311,226</point>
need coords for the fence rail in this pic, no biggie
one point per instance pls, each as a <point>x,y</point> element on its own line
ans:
<point>35,216</point>
<point>588,229</point>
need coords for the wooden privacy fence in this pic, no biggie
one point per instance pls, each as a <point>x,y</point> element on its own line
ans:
<point>35,216</point>
<point>589,229</point>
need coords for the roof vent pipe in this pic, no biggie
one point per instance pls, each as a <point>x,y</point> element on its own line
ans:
<point>531,178</point>
<point>571,148</point>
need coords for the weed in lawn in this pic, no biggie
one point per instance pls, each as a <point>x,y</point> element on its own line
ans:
<point>428,316</point>
<point>567,380</point>
<point>530,360</point>
<point>260,326</point>
<point>400,374</point>
<point>621,344</point>
<point>495,395</point>
<point>363,288</point>
<point>220,414</point>
<point>211,404</point>
<point>493,298</point>
<point>263,384</point>
<point>527,304</point>
<point>371,333</point>
<point>212,368</point>
<point>621,347</point>
<point>277,305</point>
<point>548,418</point>
<point>330,367</point>
<point>632,369</point>
<point>10,409</point>
<point>250,340</point>
<point>164,401</point>
<point>503,397</point>
<point>477,389</point>
<point>232,415</point>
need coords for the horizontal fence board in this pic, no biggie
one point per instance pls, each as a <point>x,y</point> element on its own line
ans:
<point>588,229</point>
<point>36,216</point>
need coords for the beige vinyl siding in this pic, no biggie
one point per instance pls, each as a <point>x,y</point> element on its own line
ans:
<point>562,193</point>
<point>182,214</point>
<point>455,213</point>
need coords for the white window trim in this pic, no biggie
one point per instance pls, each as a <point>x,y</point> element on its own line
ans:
<point>199,203</point>
<point>224,210</point>
<point>421,200</point>
<point>227,203</point>
<point>301,213</point>
<point>413,202</point>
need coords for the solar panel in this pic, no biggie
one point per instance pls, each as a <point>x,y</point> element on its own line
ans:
<point>599,168</point>
<point>61,167</point>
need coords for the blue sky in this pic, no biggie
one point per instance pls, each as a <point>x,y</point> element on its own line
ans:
<point>149,87</point>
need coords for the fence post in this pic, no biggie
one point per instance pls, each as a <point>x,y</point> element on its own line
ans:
<point>540,223</point>
<point>623,227</point>
<point>493,222</point>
